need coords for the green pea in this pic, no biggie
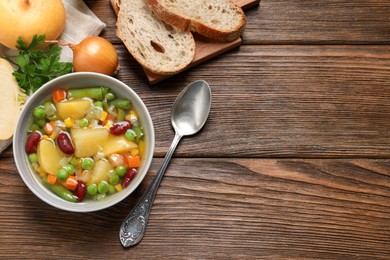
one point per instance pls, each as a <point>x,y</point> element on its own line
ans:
<point>130,135</point>
<point>69,168</point>
<point>62,174</point>
<point>100,196</point>
<point>111,189</point>
<point>41,122</point>
<point>110,96</point>
<point>39,113</point>
<point>83,122</point>
<point>98,104</point>
<point>120,170</point>
<point>34,127</point>
<point>102,187</point>
<point>114,179</point>
<point>33,157</point>
<point>75,162</point>
<point>92,189</point>
<point>87,163</point>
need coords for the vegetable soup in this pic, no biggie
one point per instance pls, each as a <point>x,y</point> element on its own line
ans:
<point>85,143</point>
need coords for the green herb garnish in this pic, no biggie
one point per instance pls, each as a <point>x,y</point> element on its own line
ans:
<point>38,66</point>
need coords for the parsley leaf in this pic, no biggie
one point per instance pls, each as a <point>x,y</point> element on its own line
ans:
<point>36,65</point>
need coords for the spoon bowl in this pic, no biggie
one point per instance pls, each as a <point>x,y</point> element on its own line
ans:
<point>191,108</point>
<point>189,114</point>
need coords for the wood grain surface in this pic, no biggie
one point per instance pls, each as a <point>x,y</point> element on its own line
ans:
<point>293,163</point>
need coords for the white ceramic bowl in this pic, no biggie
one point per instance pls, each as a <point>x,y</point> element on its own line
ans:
<point>79,80</point>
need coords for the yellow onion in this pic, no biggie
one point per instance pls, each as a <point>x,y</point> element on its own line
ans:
<point>94,54</point>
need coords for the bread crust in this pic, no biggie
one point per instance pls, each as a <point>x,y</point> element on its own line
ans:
<point>147,63</point>
<point>115,5</point>
<point>180,22</point>
<point>183,23</point>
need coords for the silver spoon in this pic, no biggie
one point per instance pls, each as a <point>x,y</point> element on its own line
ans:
<point>189,113</point>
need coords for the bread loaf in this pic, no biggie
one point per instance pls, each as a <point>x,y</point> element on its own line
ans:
<point>217,19</point>
<point>157,46</point>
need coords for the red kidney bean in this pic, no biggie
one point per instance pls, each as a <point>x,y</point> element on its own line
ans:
<point>65,143</point>
<point>128,177</point>
<point>32,142</point>
<point>81,190</point>
<point>120,128</point>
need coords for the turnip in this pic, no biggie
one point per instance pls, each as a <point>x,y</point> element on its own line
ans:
<point>25,18</point>
<point>11,99</point>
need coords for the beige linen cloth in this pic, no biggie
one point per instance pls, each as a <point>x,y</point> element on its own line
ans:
<point>81,22</point>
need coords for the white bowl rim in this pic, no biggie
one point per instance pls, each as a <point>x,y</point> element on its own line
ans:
<point>32,180</point>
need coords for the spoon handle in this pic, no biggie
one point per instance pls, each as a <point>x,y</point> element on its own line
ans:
<point>133,227</point>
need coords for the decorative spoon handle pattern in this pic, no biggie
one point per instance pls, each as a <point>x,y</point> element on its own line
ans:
<point>133,227</point>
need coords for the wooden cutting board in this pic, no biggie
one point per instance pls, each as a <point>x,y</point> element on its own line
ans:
<point>205,48</point>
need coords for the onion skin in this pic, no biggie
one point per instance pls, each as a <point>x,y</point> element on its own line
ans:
<point>95,54</point>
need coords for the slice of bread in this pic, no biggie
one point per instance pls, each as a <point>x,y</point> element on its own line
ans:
<point>157,46</point>
<point>217,19</point>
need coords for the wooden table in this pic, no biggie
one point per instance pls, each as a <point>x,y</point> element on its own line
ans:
<point>294,161</point>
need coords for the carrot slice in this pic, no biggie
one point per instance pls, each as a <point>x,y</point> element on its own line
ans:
<point>71,183</point>
<point>134,161</point>
<point>52,178</point>
<point>59,95</point>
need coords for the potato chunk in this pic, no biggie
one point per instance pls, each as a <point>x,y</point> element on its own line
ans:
<point>75,109</point>
<point>50,156</point>
<point>118,144</point>
<point>100,172</point>
<point>88,141</point>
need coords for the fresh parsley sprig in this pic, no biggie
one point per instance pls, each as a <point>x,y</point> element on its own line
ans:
<point>36,66</point>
